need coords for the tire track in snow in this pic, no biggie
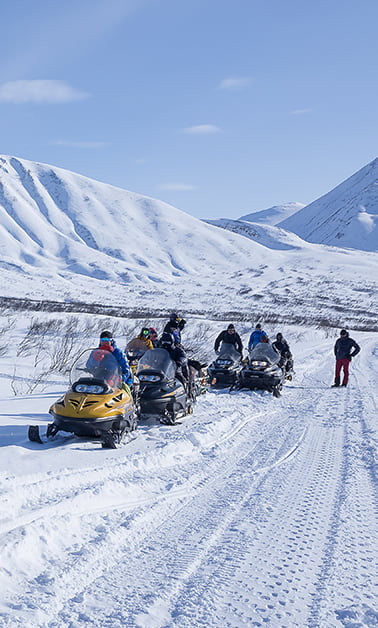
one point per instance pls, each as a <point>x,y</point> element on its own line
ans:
<point>82,563</point>
<point>171,539</point>
<point>357,534</point>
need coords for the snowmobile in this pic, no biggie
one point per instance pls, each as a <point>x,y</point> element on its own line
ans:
<point>162,392</point>
<point>263,371</point>
<point>134,351</point>
<point>225,369</point>
<point>96,404</point>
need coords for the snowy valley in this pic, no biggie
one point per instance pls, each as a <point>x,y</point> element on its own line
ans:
<point>253,510</point>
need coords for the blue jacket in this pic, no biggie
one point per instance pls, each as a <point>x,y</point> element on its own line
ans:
<point>122,360</point>
<point>255,338</point>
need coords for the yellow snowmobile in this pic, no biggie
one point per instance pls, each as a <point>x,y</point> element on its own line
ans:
<point>97,405</point>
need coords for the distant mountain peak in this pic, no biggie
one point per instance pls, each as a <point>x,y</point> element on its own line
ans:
<point>347,216</point>
<point>273,215</point>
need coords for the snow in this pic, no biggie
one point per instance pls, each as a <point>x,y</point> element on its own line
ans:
<point>273,215</point>
<point>346,216</point>
<point>94,243</point>
<point>252,511</point>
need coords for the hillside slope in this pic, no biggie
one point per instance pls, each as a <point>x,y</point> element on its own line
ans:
<point>347,216</point>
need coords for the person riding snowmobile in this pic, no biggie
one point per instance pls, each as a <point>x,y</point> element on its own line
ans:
<point>154,336</point>
<point>145,336</point>
<point>256,336</point>
<point>174,326</point>
<point>281,346</point>
<point>178,355</point>
<point>107,343</point>
<point>229,336</point>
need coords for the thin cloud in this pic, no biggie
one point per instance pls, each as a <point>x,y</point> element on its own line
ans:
<point>235,83</point>
<point>39,92</point>
<point>71,144</point>
<point>177,187</point>
<point>300,112</point>
<point>201,129</point>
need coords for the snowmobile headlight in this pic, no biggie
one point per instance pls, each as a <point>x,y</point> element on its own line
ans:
<point>149,378</point>
<point>259,363</point>
<point>224,362</point>
<point>89,389</point>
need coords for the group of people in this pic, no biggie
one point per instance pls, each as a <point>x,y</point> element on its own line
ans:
<point>345,348</point>
<point>280,345</point>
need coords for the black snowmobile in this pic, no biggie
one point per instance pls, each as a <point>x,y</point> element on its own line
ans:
<point>134,351</point>
<point>162,393</point>
<point>224,371</point>
<point>96,405</point>
<point>263,371</point>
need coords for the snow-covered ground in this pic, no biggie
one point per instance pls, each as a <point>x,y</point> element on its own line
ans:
<point>253,511</point>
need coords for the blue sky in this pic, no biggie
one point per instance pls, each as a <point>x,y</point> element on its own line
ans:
<point>217,107</point>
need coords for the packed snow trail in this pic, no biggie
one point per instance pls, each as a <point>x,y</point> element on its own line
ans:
<point>253,511</point>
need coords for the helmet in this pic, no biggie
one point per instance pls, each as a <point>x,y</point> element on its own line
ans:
<point>258,326</point>
<point>344,332</point>
<point>145,332</point>
<point>231,326</point>
<point>174,317</point>
<point>106,334</point>
<point>279,336</point>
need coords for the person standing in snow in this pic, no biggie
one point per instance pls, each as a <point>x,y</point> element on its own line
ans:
<point>256,337</point>
<point>343,353</point>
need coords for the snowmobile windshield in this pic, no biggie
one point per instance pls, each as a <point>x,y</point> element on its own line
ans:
<point>157,361</point>
<point>264,351</point>
<point>228,352</point>
<point>97,364</point>
<point>136,347</point>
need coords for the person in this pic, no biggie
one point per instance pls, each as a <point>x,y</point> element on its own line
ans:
<point>107,343</point>
<point>256,336</point>
<point>178,355</point>
<point>154,336</point>
<point>281,346</point>
<point>344,352</point>
<point>229,336</point>
<point>174,326</point>
<point>145,336</point>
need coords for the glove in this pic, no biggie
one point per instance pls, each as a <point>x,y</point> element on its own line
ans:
<point>182,324</point>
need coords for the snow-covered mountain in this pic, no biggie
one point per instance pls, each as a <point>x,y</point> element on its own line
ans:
<point>273,215</point>
<point>347,216</point>
<point>267,235</point>
<point>67,238</point>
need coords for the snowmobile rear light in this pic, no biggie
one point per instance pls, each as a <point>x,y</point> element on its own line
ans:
<point>89,389</point>
<point>149,378</point>
<point>259,363</point>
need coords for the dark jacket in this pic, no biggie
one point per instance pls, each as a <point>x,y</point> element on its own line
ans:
<point>343,348</point>
<point>178,355</point>
<point>282,348</point>
<point>175,328</point>
<point>232,339</point>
